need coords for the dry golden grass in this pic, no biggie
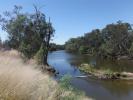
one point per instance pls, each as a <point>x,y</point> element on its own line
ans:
<point>20,81</point>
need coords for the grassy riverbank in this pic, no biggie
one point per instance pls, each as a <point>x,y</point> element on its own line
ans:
<point>105,73</point>
<point>24,81</point>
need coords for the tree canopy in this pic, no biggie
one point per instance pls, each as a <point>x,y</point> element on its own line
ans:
<point>112,41</point>
<point>27,32</point>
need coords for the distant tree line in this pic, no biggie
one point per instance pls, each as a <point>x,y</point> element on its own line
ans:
<point>55,47</point>
<point>29,33</point>
<point>113,41</point>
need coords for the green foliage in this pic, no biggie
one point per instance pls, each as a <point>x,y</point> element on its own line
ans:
<point>89,43</point>
<point>25,49</point>
<point>65,82</point>
<point>113,41</point>
<point>87,68</point>
<point>71,92</point>
<point>27,32</point>
<point>108,72</point>
<point>39,56</point>
<point>118,38</point>
<point>83,49</point>
<point>72,45</point>
<point>105,51</point>
<point>54,47</point>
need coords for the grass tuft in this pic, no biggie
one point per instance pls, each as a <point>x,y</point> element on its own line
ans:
<point>21,81</point>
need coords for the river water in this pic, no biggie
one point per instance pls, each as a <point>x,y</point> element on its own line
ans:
<point>67,63</point>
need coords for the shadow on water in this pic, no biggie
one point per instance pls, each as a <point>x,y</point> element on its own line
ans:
<point>67,63</point>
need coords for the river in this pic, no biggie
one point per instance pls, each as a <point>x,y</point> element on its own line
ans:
<point>67,63</point>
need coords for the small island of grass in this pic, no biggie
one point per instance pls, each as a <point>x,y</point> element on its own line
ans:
<point>106,74</point>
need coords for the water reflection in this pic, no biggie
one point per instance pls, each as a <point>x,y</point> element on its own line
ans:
<point>99,89</point>
<point>121,65</point>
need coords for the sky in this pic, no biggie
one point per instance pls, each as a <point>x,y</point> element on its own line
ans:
<point>73,18</point>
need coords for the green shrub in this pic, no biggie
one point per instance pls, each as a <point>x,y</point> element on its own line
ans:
<point>83,49</point>
<point>26,50</point>
<point>109,72</point>
<point>67,92</point>
<point>87,68</point>
<point>39,56</point>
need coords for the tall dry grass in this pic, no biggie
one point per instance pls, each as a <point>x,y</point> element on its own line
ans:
<point>20,81</point>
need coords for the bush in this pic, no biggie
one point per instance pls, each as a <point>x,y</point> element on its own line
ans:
<point>25,49</point>
<point>87,68</point>
<point>39,56</point>
<point>83,49</point>
<point>68,92</point>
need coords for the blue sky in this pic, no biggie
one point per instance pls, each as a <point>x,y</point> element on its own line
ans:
<point>72,18</point>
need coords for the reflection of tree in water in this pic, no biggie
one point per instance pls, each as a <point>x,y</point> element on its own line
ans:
<point>77,60</point>
<point>122,65</point>
<point>118,87</point>
<point>75,63</point>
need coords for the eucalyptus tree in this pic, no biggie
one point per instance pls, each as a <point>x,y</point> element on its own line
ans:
<point>28,32</point>
<point>112,41</point>
<point>117,38</point>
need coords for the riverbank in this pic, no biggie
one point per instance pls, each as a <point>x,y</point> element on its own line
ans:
<point>25,81</point>
<point>105,74</point>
